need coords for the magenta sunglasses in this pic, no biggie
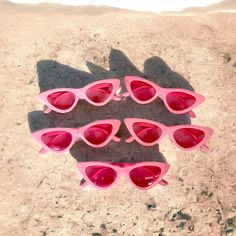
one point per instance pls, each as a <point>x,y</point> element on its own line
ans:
<point>146,132</point>
<point>185,137</point>
<point>64,100</point>
<point>142,91</point>
<point>104,175</point>
<point>96,134</point>
<point>176,100</point>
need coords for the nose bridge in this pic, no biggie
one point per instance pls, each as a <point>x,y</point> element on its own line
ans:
<point>159,90</point>
<point>169,130</point>
<point>122,171</point>
<point>77,133</point>
<point>164,131</point>
<point>80,93</point>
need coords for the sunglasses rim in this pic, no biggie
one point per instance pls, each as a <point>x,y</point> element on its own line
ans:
<point>77,92</point>
<point>199,99</point>
<point>162,94</point>
<point>73,131</point>
<point>129,124</point>
<point>129,79</point>
<point>38,137</point>
<point>208,132</point>
<point>122,171</point>
<point>115,127</point>
<point>114,82</point>
<point>168,130</point>
<point>44,95</point>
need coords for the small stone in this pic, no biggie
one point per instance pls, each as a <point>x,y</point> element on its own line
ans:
<point>151,206</point>
<point>96,234</point>
<point>227,58</point>
<point>103,226</point>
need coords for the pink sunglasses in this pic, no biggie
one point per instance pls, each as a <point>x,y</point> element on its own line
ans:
<point>64,100</point>
<point>186,137</point>
<point>99,133</point>
<point>176,100</point>
<point>142,175</point>
<point>96,134</point>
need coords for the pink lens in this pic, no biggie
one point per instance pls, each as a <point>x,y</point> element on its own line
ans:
<point>179,101</point>
<point>145,176</point>
<point>98,134</point>
<point>61,100</point>
<point>57,140</point>
<point>147,132</point>
<point>188,137</point>
<point>142,91</point>
<point>100,92</point>
<point>101,176</point>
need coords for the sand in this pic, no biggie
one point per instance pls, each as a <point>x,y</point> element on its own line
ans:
<point>41,195</point>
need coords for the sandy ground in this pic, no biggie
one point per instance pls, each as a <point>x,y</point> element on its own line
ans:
<point>41,196</point>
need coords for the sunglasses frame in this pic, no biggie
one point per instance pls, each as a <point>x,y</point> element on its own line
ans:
<point>78,134</point>
<point>123,171</point>
<point>167,130</point>
<point>162,93</point>
<point>80,93</point>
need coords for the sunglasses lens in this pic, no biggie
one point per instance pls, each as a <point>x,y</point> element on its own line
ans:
<point>142,91</point>
<point>100,92</point>
<point>101,176</point>
<point>145,176</point>
<point>179,101</point>
<point>57,140</point>
<point>147,132</point>
<point>98,134</point>
<point>188,137</point>
<point>61,100</point>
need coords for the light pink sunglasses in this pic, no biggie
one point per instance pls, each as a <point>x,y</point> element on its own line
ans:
<point>176,100</point>
<point>104,175</point>
<point>186,137</point>
<point>64,100</point>
<point>99,133</point>
<point>96,134</point>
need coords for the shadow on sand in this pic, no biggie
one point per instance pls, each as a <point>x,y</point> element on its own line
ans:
<point>52,74</point>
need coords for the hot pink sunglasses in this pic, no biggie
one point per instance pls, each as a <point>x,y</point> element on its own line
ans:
<point>103,175</point>
<point>96,134</point>
<point>176,100</point>
<point>186,137</point>
<point>146,132</point>
<point>64,100</point>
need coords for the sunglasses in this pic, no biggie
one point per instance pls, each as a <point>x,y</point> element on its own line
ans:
<point>59,140</point>
<point>64,100</point>
<point>142,175</point>
<point>176,100</point>
<point>185,137</point>
<point>146,132</point>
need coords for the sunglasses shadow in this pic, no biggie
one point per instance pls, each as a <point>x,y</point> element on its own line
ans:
<point>52,74</point>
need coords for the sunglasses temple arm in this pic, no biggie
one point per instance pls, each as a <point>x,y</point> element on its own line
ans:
<point>116,98</point>
<point>125,95</point>
<point>192,114</point>
<point>129,140</point>
<point>116,139</point>
<point>163,182</point>
<point>85,184</point>
<point>47,110</point>
<point>204,148</point>
<point>43,151</point>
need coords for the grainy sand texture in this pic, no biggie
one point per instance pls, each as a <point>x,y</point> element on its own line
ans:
<point>41,195</point>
